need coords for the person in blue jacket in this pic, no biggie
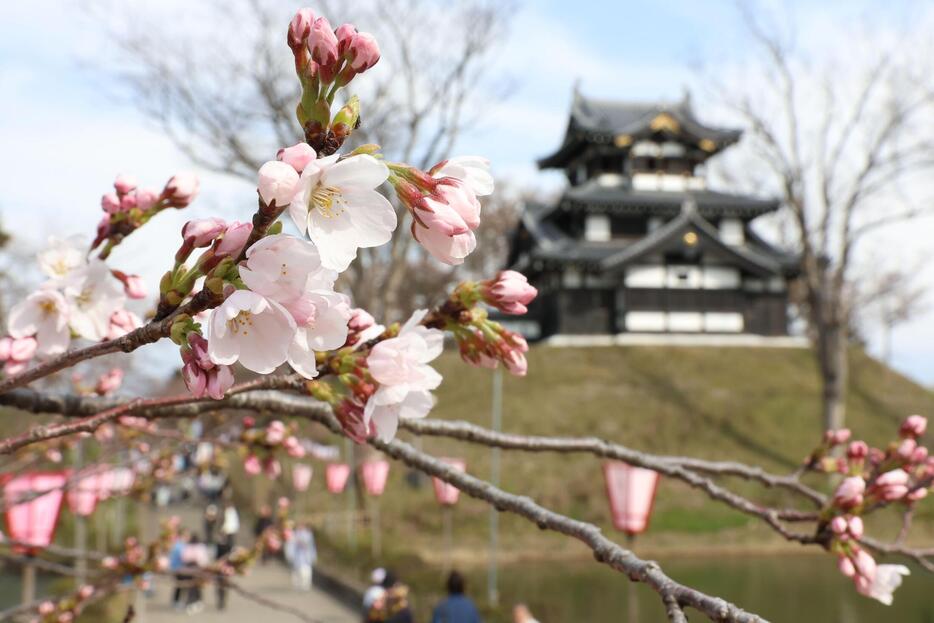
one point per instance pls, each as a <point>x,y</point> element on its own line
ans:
<point>456,607</point>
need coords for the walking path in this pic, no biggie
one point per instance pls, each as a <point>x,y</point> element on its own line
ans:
<point>270,581</point>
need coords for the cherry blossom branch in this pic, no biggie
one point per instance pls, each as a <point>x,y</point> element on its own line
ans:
<point>147,334</point>
<point>668,465</point>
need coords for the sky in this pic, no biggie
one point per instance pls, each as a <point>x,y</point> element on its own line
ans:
<point>66,131</point>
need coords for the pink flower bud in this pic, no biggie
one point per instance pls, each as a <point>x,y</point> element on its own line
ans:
<point>360,320</point>
<point>906,448</point>
<point>202,232</point>
<point>134,287</point>
<point>124,184</point>
<point>917,494</point>
<point>146,198</point>
<point>865,564</point>
<point>857,450</point>
<point>850,492</point>
<point>46,608</point>
<point>363,52</point>
<point>300,27</point>
<point>345,34</point>
<point>23,349</point>
<point>6,344</point>
<point>322,42</point>
<point>920,455</point>
<point>855,527</point>
<point>122,322</point>
<point>838,437</point>
<point>891,478</point>
<point>235,236</point>
<point>283,502</point>
<point>272,468</point>
<point>109,382</point>
<point>127,202</point>
<point>298,156</point>
<point>252,466</point>
<point>914,426</point>
<point>846,566</point>
<point>278,182</point>
<point>109,563</point>
<point>110,203</point>
<point>838,524</point>
<point>85,591</point>
<point>509,292</point>
<point>181,189</point>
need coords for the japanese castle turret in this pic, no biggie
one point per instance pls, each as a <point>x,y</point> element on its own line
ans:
<point>637,243</point>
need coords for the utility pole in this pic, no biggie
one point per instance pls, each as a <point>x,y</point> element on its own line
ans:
<point>496,413</point>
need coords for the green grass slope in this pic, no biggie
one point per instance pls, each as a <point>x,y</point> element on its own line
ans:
<point>758,406</point>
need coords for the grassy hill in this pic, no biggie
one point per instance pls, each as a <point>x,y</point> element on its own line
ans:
<point>753,405</point>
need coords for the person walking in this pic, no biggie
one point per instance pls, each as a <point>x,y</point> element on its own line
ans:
<point>263,522</point>
<point>230,526</point>
<point>456,607</point>
<point>176,566</point>
<point>211,519</point>
<point>374,591</point>
<point>195,558</point>
<point>392,606</point>
<point>303,557</point>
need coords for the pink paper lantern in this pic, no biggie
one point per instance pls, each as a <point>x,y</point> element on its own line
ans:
<point>121,480</point>
<point>301,476</point>
<point>446,493</point>
<point>32,520</point>
<point>82,496</point>
<point>375,474</point>
<point>631,491</point>
<point>337,474</point>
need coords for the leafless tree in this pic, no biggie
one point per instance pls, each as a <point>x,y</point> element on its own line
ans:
<point>846,143</point>
<point>225,94</point>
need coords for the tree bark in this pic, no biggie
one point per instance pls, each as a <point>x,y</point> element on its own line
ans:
<point>834,365</point>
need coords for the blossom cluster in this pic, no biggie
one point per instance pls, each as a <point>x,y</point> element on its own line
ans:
<point>131,206</point>
<point>82,297</point>
<point>65,610</point>
<point>261,445</point>
<point>902,473</point>
<point>327,59</point>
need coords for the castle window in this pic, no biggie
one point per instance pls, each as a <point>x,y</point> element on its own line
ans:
<point>597,228</point>
<point>731,231</point>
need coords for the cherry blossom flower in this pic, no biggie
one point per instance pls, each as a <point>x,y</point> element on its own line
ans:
<point>473,171</point>
<point>62,257</point>
<point>44,314</point>
<point>93,295</point>
<point>124,184</point>
<point>277,183</point>
<point>251,329</point>
<point>279,267</point>
<point>339,208</point>
<point>400,366</point>
<point>448,249</point>
<point>883,582</point>
<point>321,317</point>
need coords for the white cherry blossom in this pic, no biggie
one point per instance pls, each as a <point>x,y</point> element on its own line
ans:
<point>252,329</point>
<point>93,295</point>
<point>279,266</point>
<point>400,366</point>
<point>63,256</point>
<point>338,206</point>
<point>321,317</point>
<point>43,314</point>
